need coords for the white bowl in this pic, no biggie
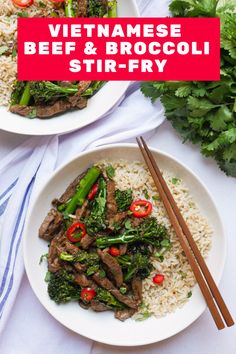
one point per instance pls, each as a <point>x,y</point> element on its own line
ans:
<point>103,327</point>
<point>98,105</point>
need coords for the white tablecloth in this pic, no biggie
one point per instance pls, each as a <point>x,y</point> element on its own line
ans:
<point>23,335</point>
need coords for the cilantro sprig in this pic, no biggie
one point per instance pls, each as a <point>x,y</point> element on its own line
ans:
<point>205,112</point>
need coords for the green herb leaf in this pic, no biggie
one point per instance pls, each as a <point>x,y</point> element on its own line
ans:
<point>156,197</point>
<point>23,14</point>
<point>44,256</point>
<point>128,225</point>
<point>42,4</point>
<point>47,277</point>
<point>175,180</point>
<point>32,114</point>
<point>123,290</point>
<point>14,53</point>
<point>144,316</point>
<point>110,171</point>
<point>146,195</point>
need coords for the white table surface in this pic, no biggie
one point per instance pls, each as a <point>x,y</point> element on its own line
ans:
<point>201,337</point>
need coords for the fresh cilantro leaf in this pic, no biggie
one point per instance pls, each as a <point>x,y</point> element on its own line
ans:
<point>175,180</point>
<point>44,256</point>
<point>42,4</point>
<point>128,225</point>
<point>146,195</point>
<point>220,119</point>
<point>183,91</point>
<point>156,197</point>
<point>23,14</point>
<point>144,316</point>
<point>14,53</point>
<point>110,171</point>
<point>205,112</point>
<point>47,277</point>
<point>32,114</point>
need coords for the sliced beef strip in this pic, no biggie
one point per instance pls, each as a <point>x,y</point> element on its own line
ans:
<point>136,285</point>
<point>83,86</point>
<point>51,226</point>
<point>128,301</point>
<point>123,249</point>
<point>50,110</point>
<point>111,200</point>
<point>86,241</point>
<point>82,8</point>
<point>24,111</point>
<point>79,267</point>
<point>54,263</point>
<point>70,191</point>
<point>67,83</point>
<point>82,280</point>
<point>117,219</point>
<point>113,216</point>
<point>107,284</point>
<point>58,245</point>
<point>83,305</point>
<point>98,306</point>
<point>61,106</point>
<point>113,266</point>
<point>123,315</point>
<point>135,222</point>
<point>77,102</point>
<point>80,212</point>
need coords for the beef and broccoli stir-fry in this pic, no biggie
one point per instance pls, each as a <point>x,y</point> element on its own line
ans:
<point>101,244</point>
<point>45,99</point>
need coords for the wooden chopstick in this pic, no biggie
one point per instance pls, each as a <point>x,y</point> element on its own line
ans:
<point>184,243</point>
<point>202,264</point>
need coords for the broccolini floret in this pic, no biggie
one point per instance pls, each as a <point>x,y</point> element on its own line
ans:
<point>46,91</point>
<point>135,265</point>
<point>61,287</point>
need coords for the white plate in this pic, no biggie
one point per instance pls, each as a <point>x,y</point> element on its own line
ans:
<point>103,327</point>
<point>98,105</point>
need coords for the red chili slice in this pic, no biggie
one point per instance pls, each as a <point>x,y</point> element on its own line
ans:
<point>93,191</point>
<point>87,294</point>
<point>71,231</point>
<point>141,208</point>
<point>158,279</point>
<point>114,251</point>
<point>23,3</point>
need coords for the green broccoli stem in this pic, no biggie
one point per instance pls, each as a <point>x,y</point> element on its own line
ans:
<point>83,189</point>
<point>64,256</point>
<point>25,98</point>
<point>112,8</point>
<point>94,87</point>
<point>128,237</point>
<point>69,9</point>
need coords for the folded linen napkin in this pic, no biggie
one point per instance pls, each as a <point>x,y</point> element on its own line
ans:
<point>30,164</point>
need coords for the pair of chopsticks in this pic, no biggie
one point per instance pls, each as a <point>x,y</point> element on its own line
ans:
<point>201,272</point>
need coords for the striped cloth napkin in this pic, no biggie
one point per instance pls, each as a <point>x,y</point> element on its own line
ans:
<point>29,165</point>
